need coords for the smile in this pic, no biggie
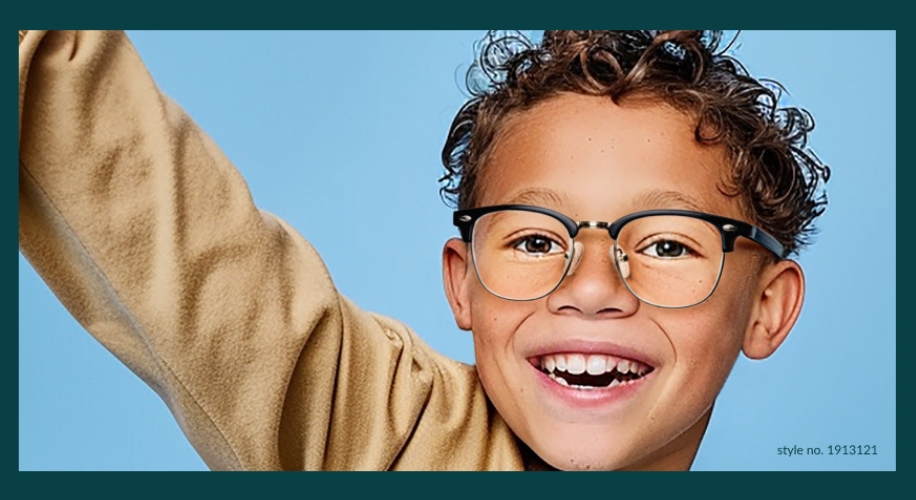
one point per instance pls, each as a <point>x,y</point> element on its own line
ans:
<point>591,371</point>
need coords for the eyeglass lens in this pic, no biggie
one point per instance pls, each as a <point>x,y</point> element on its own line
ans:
<point>665,260</point>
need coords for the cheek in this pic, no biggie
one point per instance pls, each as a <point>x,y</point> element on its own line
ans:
<point>706,340</point>
<point>713,334</point>
<point>496,324</point>
<point>717,326</point>
<point>495,321</point>
<point>710,355</point>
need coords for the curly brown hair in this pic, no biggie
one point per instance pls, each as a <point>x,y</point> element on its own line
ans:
<point>777,177</point>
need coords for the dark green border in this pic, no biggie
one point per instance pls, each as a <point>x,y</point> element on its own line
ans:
<point>453,15</point>
<point>458,484</point>
<point>416,15</point>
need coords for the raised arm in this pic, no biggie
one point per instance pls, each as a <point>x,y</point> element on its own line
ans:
<point>149,237</point>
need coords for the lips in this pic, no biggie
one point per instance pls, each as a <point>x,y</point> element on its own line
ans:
<point>591,371</point>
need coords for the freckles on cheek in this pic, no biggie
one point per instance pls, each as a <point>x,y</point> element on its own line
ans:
<point>490,332</point>
<point>711,345</point>
<point>703,357</point>
<point>498,331</point>
<point>496,323</point>
<point>703,340</point>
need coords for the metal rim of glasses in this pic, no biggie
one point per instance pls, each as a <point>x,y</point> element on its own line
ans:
<point>570,257</point>
<point>633,292</point>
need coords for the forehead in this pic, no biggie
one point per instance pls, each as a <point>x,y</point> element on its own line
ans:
<point>591,158</point>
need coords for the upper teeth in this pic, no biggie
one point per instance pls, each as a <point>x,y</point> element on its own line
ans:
<point>594,364</point>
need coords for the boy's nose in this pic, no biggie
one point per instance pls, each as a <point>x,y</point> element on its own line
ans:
<point>622,259</point>
<point>593,287</point>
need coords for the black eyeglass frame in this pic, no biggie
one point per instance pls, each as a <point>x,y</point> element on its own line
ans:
<point>730,229</point>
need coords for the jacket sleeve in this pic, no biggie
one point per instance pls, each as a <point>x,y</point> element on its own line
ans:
<point>149,237</point>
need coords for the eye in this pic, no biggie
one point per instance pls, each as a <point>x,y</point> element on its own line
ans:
<point>537,244</point>
<point>666,249</point>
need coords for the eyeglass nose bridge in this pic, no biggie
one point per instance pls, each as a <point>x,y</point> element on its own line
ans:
<point>618,256</point>
<point>593,224</point>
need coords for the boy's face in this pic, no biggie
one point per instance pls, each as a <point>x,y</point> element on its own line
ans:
<point>590,159</point>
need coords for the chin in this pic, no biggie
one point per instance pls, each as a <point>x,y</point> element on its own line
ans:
<point>579,460</point>
<point>584,449</point>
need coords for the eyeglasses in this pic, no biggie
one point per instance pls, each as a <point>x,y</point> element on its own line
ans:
<point>666,258</point>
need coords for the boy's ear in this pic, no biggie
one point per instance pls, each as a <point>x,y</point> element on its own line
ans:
<point>455,262</point>
<point>776,308</point>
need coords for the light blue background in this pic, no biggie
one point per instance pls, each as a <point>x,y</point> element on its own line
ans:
<point>340,133</point>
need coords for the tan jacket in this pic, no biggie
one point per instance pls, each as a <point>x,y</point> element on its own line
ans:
<point>148,235</point>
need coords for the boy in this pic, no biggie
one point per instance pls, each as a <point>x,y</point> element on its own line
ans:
<point>144,277</point>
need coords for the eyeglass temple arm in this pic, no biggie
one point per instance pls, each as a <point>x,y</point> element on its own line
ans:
<point>757,235</point>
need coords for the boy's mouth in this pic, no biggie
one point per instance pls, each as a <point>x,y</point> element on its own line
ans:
<point>591,371</point>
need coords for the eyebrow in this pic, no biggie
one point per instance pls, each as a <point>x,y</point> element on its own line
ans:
<point>538,196</point>
<point>668,199</point>
<point>656,199</point>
